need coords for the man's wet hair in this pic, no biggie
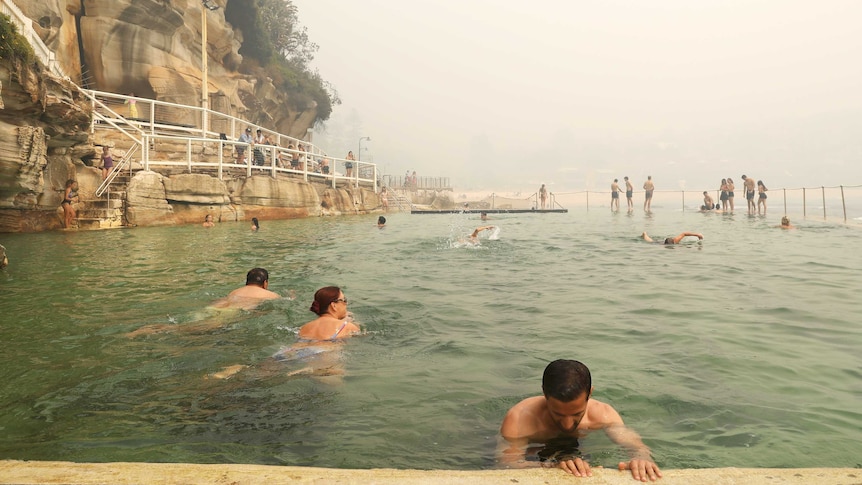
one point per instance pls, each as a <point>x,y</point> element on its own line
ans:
<point>257,276</point>
<point>565,380</point>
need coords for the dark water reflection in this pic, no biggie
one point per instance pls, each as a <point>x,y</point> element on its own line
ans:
<point>740,351</point>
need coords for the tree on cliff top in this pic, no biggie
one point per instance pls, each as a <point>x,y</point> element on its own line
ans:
<point>12,44</point>
<point>274,42</point>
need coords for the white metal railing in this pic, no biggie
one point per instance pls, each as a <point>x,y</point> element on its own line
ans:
<point>207,154</point>
<point>165,117</point>
<point>410,182</point>
<point>151,121</point>
<point>25,28</point>
<point>124,162</point>
<point>171,123</point>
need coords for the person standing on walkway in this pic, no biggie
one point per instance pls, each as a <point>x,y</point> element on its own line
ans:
<point>133,106</point>
<point>749,193</point>
<point>348,165</point>
<point>240,149</point>
<point>543,196</point>
<point>629,192</point>
<point>730,189</point>
<point>615,196</point>
<point>761,199</point>
<point>649,187</point>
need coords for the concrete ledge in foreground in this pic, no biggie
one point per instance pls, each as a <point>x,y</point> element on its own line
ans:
<point>48,472</point>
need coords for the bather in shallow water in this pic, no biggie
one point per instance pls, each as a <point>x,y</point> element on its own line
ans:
<point>320,340</point>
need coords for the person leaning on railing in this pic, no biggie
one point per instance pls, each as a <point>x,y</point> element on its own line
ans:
<point>240,149</point>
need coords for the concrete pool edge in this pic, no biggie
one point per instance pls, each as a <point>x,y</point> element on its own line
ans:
<point>52,472</point>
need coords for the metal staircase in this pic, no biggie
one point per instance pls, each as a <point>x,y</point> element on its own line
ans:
<point>398,200</point>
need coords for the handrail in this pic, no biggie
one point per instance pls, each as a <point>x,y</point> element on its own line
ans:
<point>126,160</point>
<point>274,163</point>
<point>154,114</point>
<point>839,199</point>
<point>151,129</point>
<point>110,121</point>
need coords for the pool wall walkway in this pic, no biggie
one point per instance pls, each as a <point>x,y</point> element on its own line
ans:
<point>53,472</point>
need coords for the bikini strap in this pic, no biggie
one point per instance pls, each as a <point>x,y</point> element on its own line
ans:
<point>339,330</point>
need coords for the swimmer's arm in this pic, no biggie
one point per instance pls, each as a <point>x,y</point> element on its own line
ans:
<point>515,438</point>
<point>640,464</point>
<point>679,238</point>
<point>512,452</point>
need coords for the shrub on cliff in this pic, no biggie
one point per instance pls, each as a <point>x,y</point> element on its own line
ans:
<point>12,44</point>
<point>275,46</point>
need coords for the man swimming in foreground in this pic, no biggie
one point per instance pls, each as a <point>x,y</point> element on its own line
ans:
<point>567,411</point>
<point>672,240</point>
<point>252,294</point>
<point>247,297</point>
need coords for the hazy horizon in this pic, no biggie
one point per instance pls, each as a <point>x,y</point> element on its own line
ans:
<point>510,95</point>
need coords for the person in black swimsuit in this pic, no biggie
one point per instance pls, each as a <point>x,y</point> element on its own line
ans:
<point>68,211</point>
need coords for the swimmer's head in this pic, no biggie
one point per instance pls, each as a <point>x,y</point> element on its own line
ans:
<point>257,277</point>
<point>565,380</point>
<point>381,220</point>
<point>255,223</point>
<point>323,298</point>
<point>785,221</point>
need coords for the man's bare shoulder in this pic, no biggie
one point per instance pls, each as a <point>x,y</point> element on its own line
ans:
<point>600,415</point>
<point>251,291</point>
<point>247,297</point>
<point>524,419</point>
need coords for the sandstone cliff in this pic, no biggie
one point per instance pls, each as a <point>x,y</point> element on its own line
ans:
<point>143,46</point>
<point>153,48</point>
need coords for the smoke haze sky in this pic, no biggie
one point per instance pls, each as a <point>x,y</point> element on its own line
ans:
<point>507,95</point>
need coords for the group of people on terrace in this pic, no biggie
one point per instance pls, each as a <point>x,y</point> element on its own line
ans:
<point>297,156</point>
<point>725,201</point>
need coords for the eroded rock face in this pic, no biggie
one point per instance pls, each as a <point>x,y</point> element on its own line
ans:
<point>41,120</point>
<point>196,189</point>
<point>146,201</point>
<point>153,48</point>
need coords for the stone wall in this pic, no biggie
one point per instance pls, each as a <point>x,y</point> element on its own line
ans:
<point>154,199</point>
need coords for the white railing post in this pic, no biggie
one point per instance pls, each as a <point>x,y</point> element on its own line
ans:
<point>189,153</point>
<point>221,159</point>
<point>146,153</point>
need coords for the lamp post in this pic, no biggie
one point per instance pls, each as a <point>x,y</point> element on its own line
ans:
<point>360,146</point>
<point>205,5</point>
